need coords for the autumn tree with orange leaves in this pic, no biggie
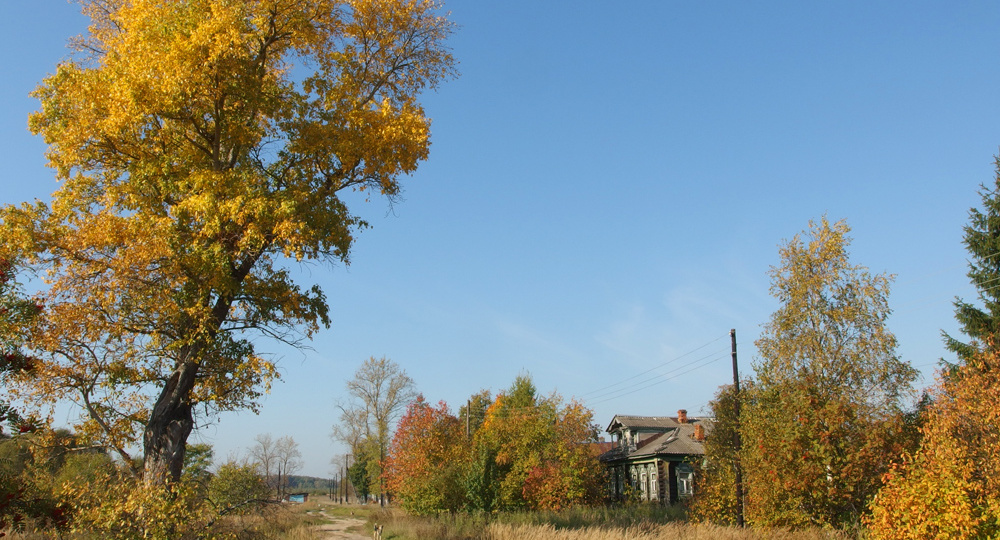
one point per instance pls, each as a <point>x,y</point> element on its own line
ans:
<point>950,487</point>
<point>425,464</point>
<point>530,452</point>
<point>193,164</point>
<point>541,448</point>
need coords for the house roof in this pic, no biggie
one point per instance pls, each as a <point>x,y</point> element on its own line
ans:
<point>676,439</point>
<point>642,422</point>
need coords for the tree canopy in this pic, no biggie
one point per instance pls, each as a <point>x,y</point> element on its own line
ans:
<point>950,486</point>
<point>826,409</point>
<point>380,392</point>
<point>199,144</point>
<point>530,452</point>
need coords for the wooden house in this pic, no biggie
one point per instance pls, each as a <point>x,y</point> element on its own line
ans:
<point>654,458</point>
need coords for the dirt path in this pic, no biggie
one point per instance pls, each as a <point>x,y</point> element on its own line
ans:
<point>337,530</point>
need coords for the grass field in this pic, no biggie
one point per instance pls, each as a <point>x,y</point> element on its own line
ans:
<point>631,523</point>
<point>303,522</point>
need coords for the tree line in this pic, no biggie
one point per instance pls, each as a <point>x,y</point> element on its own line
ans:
<point>524,451</point>
<point>518,450</point>
<point>831,431</point>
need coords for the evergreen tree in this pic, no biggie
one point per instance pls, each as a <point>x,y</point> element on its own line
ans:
<point>982,240</point>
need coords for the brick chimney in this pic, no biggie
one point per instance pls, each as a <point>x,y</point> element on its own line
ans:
<point>699,433</point>
<point>682,416</point>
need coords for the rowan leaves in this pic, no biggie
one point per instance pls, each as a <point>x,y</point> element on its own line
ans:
<point>16,313</point>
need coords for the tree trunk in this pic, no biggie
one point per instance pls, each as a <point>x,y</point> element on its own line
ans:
<point>170,423</point>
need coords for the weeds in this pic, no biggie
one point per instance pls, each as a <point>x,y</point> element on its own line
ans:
<point>637,522</point>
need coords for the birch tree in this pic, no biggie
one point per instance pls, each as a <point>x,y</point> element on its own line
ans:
<point>264,457</point>
<point>380,392</point>
<point>826,414</point>
<point>289,462</point>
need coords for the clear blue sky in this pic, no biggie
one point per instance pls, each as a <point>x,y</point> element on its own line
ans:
<point>608,185</point>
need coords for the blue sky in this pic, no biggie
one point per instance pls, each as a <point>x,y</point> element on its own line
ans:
<point>608,185</point>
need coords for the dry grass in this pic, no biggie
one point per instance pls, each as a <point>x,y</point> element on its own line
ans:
<point>276,522</point>
<point>631,523</point>
<point>669,531</point>
<point>298,522</point>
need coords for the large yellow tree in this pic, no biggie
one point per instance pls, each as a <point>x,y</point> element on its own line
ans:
<point>199,145</point>
<point>825,414</point>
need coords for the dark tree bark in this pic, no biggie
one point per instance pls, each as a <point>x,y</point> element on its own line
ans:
<point>170,424</point>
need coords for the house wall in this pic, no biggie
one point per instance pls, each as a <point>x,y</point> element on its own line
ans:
<point>651,480</point>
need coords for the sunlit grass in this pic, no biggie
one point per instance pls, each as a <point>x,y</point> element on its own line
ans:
<point>640,522</point>
<point>648,531</point>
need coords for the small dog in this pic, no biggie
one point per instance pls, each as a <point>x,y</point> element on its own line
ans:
<point>377,533</point>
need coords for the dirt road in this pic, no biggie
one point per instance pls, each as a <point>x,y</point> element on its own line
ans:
<point>337,530</point>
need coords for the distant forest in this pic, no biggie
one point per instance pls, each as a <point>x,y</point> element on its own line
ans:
<point>310,483</point>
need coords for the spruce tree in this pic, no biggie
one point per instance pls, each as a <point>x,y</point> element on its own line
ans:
<point>982,240</point>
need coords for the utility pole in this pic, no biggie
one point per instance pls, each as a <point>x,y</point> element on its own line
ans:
<point>737,443</point>
<point>468,413</point>
<point>347,477</point>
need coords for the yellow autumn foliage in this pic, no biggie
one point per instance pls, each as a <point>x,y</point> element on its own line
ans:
<point>826,413</point>
<point>950,487</point>
<point>200,144</point>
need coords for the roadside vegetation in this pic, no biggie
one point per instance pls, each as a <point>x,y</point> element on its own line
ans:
<point>641,521</point>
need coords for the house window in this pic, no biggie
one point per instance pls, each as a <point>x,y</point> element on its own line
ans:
<point>653,490</point>
<point>685,480</point>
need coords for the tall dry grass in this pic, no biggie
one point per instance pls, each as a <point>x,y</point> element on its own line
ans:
<point>275,522</point>
<point>639,522</point>
<point>669,531</point>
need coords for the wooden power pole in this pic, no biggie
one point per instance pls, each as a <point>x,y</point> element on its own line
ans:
<point>737,443</point>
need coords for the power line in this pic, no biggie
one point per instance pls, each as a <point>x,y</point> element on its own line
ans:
<point>660,380</point>
<point>666,374</point>
<point>632,378</point>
